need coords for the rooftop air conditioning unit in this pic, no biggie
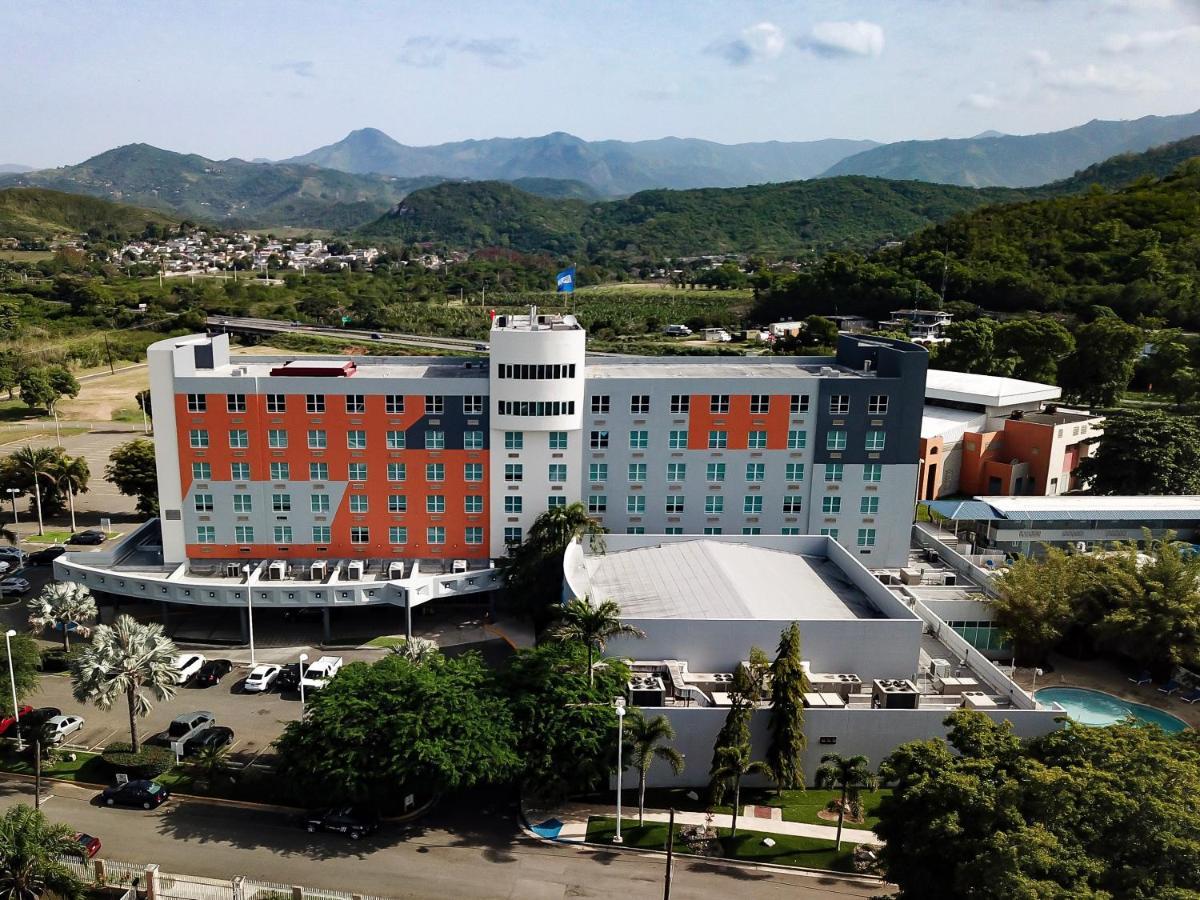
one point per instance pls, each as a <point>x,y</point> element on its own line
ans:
<point>232,570</point>
<point>940,668</point>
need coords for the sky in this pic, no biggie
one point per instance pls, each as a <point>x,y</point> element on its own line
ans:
<point>251,80</point>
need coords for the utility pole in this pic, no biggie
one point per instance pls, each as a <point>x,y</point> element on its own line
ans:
<point>670,853</point>
<point>108,352</point>
<point>37,770</point>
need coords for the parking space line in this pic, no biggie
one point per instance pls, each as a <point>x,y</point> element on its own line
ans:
<point>102,744</point>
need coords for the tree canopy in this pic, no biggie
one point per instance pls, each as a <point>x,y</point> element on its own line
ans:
<point>1145,452</point>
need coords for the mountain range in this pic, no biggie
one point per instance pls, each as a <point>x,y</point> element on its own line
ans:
<point>12,168</point>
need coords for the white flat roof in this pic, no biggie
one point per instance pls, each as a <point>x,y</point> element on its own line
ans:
<point>950,424</point>
<point>722,367</point>
<point>1078,504</point>
<point>715,580</point>
<point>985,390</point>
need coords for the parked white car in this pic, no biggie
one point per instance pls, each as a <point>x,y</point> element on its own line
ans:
<point>261,678</point>
<point>58,728</point>
<point>13,586</point>
<point>187,665</point>
<point>319,673</point>
<point>9,553</point>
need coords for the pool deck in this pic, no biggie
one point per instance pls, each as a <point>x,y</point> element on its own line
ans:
<point>1102,675</point>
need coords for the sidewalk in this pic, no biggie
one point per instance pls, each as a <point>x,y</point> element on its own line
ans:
<point>569,823</point>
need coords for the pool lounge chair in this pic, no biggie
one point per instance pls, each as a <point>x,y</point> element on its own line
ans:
<point>1191,696</point>
<point>1170,687</point>
<point>1142,678</point>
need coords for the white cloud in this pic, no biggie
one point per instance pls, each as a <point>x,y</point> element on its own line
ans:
<point>1119,79</point>
<point>762,41</point>
<point>1152,40</point>
<point>981,101</point>
<point>844,39</point>
<point>427,51</point>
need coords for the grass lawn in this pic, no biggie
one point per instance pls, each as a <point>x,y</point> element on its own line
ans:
<point>811,853</point>
<point>87,767</point>
<point>386,641</point>
<point>797,806</point>
<point>60,535</point>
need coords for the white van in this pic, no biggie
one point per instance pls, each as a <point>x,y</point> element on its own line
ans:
<point>318,674</point>
<point>677,331</point>
<point>718,335</point>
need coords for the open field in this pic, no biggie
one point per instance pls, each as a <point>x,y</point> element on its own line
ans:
<point>26,256</point>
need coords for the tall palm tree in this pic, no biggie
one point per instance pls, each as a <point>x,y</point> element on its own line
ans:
<point>734,764</point>
<point>649,738</point>
<point>36,463</point>
<point>71,474</point>
<point>852,774</point>
<point>31,851</point>
<point>66,604</point>
<point>126,658</point>
<point>592,626</point>
<point>559,525</point>
<point>211,763</point>
<point>417,651</point>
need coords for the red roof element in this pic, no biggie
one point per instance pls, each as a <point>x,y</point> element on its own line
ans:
<point>329,369</point>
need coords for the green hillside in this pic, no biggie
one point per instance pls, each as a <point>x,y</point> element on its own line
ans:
<point>1126,168</point>
<point>39,214</point>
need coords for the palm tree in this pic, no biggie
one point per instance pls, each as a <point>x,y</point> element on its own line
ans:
<point>65,604</point>
<point>417,651</point>
<point>734,764</point>
<point>592,626</point>
<point>31,851</point>
<point>559,525</point>
<point>70,474</point>
<point>123,659</point>
<point>211,763</point>
<point>649,738</point>
<point>35,463</point>
<point>852,774</point>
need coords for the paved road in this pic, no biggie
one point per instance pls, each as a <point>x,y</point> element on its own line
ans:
<point>477,853</point>
<point>273,326</point>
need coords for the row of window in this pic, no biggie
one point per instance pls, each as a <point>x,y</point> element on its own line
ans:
<point>540,372</point>
<point>354,403</point>
<point>866,536</point>
<point>535,407</point>
<point>515,440</point>
<point>318,439</point>
<point>321,503</point>
<point>760,404</point>
<point>714,504</point>
<point>755,440</point>
<point>359,534</point>
<point>636,473</point>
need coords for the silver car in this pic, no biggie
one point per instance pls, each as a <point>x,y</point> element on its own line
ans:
<point>58,728</point>
<point>260,679</point>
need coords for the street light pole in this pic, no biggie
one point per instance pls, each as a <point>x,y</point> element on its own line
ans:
<point>620,704</point>
<point>303,660</point>
<point>12,494</point>
<point>12,682</point>
<point>1036,673</point>
<point>250,622</point>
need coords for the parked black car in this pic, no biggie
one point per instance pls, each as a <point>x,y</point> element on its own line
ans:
<point>31,723</point>
<point>146,794</point>
<point>347,820</point>
<point>91,536</point>
<point>217,736</point>
<point>212,672</point>
<point>288,678</point>
<point>45,557</point>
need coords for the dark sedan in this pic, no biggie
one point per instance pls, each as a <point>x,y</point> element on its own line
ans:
<point>217,736</point>
<point>91,536</point>
<point>348,820</point>
<point>146,794</point>
<point>45,557</point>
<point>212,672</point>
<point>288,678</point>
<point>32,722</point>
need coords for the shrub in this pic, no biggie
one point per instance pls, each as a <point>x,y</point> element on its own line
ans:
<point>57,660</point>
<point>149,762</point>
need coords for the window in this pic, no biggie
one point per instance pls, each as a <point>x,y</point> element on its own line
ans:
<point>557,473</point>
<point>317,439</point>
<point>472,440</point>
<point>674,504</point>
<point>752,504</point>
<point>197,403</point>
<point>513,505</point>
<point>396,471</point>
<point>435,503</point>
<point>360,534</point>
<point>714,505</point>
<point>435,471</point>
<point>869,506</point>
<point>635,504</point>
<point>597,472</point>
<point>751,529</point>
<point>714,472</point>
<point>676,472</point>
<point>831,506</point>
<point>636,529</point>
<point>673,529</point>
<point>356,403</point>
<point>318,471</point>
<point>718,440</point>
<point>597,503</point>
<point>799,404</point>
<point>239,471</point>
<point>397,503</point>
<point>276,403</point>
<point>639,404</point>
<point>435,440</point>
<point>474,534</point>
<point>760,404</point>
<point>242,503</point>
<point>198,439</point>
<point>639,440</point>
<point>789,530</point>
<point>206,534</point>
<point>711,530</point>
<point>876,440</point>
<point>756,440</point>
<point>797,440</point>
<point>839,404</point>
<point>866,537</point>
<point>395,440</point>
<point>833,471</point>
<point>281,503</point>
<point>239,438</point>
<point>599,440</point>
<point>677,440</point>
<point>277,438</point>
<point>321,534</point>
<point>681,403</point>
<point>873,472</point>
<point>514,472</point>
<point>283,534</point>
<point>243,534</point>
<point>512,535</point>
<point>473,405</point>
<point>556,501</point>
<point>877,404</point>
<point>600,404</point>
<point>357,471</point>
<point>398,534</point>
<point>793,472</point>
<point>358,503</point>
<point>435,405</point>
<point>474,472</point>
<point>201,471</point>
<point>558,440</point>
<point>319,503</point>
<point>835,440</point>
<point>356,440</point>
<point>281,471</point>
<point>393,404</point>
<point>793,504</point>
<point>204,502</point>
<point>473,503</point>
<point>235,403</point>
<point>830,532</point>
<point>637,472</point>
<point>514,440</point>
<point>314,403</point>
<point>756,471</point>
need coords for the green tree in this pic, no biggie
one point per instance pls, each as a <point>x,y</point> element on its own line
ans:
<point>734,763</point>
<point>131,469</point>
<point>63,604</point>
<point>971,348</point>
<point>1101,367</point>
<point>36,391</point>
<point>1036,601</point>
<point>26,660</point>
<point>820,332</point>
<point>127,659</point>
<point>650,740</point>
<point>789,683</point>
<point>36,464</point>
<point>62,383</point>
<point>850,774</point>
<point>70,476</point>
<point>1150,452</point>
<point>1036,345</point>
<point>31,856</point>
<point>592,625</point>
<point>417,650</point>
<point>745,693</point>
<point>533,571</point>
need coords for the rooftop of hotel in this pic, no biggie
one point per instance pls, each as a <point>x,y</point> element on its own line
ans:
<point>719,366</point>
<point>985,390</point>
<point>533,322</point>
<point>365,367</point>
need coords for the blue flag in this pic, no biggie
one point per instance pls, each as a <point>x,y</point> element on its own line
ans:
<point>565,281</point>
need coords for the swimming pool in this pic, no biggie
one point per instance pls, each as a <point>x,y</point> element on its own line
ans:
<point>1098,708</point>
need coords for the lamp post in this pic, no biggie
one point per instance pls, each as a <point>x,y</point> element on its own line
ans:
<point>620,705</point>
<point>12,682</point>
<point>303,660</point>
<point>1036,673</point>
<point>250,621</point>
<point>12,495</point>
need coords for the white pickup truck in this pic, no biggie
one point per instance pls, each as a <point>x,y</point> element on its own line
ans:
<point>320,672</point>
